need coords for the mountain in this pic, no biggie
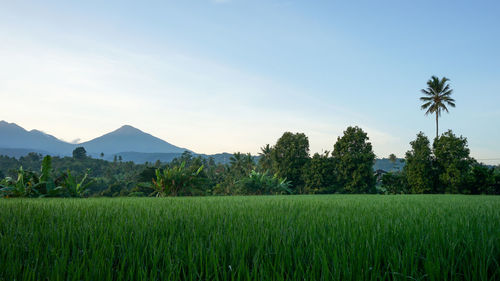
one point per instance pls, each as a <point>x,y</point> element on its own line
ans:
<point>128,139</point>
<point>19,152</point>
<point>128,142</point>
<point>17,139</point>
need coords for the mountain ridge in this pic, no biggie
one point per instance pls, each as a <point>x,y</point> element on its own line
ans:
<point>127,142</point>
<point>13,136</point>
<point>127,138</point>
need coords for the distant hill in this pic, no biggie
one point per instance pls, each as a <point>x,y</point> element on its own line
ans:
<point>386,165</point>
<point>140,157</point>
<point>127,140</point>
<point>13,136</point>
<point>19,152</point>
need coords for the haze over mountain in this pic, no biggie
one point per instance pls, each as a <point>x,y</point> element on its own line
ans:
<point>16,141</point>
<point>129,139</point>
<point>130,143</point>
<point>14,137</point>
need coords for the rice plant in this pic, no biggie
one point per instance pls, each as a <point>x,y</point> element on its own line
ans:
<point>328,237</point>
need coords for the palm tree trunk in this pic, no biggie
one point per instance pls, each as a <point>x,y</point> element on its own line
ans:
<point>437,125</point>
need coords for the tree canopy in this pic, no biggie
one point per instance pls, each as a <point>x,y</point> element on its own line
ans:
<point>289,156</point>
<point>79,153</point>
<point>354,160</point>
<point>418,168</point>
<point>453,162</point>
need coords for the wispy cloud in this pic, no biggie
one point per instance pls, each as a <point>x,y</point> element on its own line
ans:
<point>178,97</point>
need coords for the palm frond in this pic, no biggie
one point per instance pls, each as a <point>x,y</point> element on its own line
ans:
<point>426,92</point>
<point>425,105</point>
<point>437,96</point>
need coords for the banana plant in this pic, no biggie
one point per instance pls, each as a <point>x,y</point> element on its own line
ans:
<point>31,184</point>
<point>76,188</point>
<point>263,183</point>
<point>175,180</point>
<point>48,187</point>
<point>26,185</point>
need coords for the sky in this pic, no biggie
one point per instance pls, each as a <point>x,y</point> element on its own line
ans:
<point>233,75</point>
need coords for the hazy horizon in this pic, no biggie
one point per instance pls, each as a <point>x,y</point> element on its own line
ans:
<point>226,76</point>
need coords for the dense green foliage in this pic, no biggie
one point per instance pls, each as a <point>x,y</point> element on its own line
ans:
<point>418,168</point>
<point>289,156</point>
<point>262,183</point>
<point>106,178</point>
<point>483,180</point>
<point>80,153</point>
<point>177,180</point>
<point>452,163</point>
<point>43,184</point>
<point>333,237</point>
<point>320,174</point>
<point>394,183</point>
<point>354,161</point>
<point>265,160</point>
<point>446,168</point>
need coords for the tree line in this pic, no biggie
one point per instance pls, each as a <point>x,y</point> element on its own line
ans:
<point>444,167</point>
<point>283,168</point>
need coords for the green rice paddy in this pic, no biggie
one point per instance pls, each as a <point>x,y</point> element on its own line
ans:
<point>337,237</point>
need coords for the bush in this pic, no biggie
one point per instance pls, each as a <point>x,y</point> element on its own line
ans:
<point>394,183</point>
<point>177,180</point>
<point>262,183</point>
<point>44,184</point>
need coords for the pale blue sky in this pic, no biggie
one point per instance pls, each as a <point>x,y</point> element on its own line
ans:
<point>233,75</point>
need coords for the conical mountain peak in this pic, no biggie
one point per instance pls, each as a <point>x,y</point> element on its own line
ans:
<point>129,139</point>
<point>124,139</point>
<point>127,129</point>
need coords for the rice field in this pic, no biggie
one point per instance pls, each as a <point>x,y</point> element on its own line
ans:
<point>328,237</point>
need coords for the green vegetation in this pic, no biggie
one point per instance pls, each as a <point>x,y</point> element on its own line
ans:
<point>445,168</point>
<point>285,168</point>
<point>80,153</point>
<point>320,174</point>
<point>437,97</point>
<point>354,159</point>
<point>289,156</point>
<point>332,237</point>
<point>418,168</point>
<point>44,184</point>
<point>177,180</point>
<point>262,183</point>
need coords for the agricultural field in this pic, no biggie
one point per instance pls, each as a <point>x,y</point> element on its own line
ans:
<point>309,237</point>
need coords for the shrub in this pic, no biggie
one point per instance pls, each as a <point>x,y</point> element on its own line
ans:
<point>177,180</point>
<point>262,183</point>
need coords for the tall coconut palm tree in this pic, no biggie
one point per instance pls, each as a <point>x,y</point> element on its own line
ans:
<point>249,163</point>
<point>237,163</point>
<point>437,97</point>
<point>265,161</point>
